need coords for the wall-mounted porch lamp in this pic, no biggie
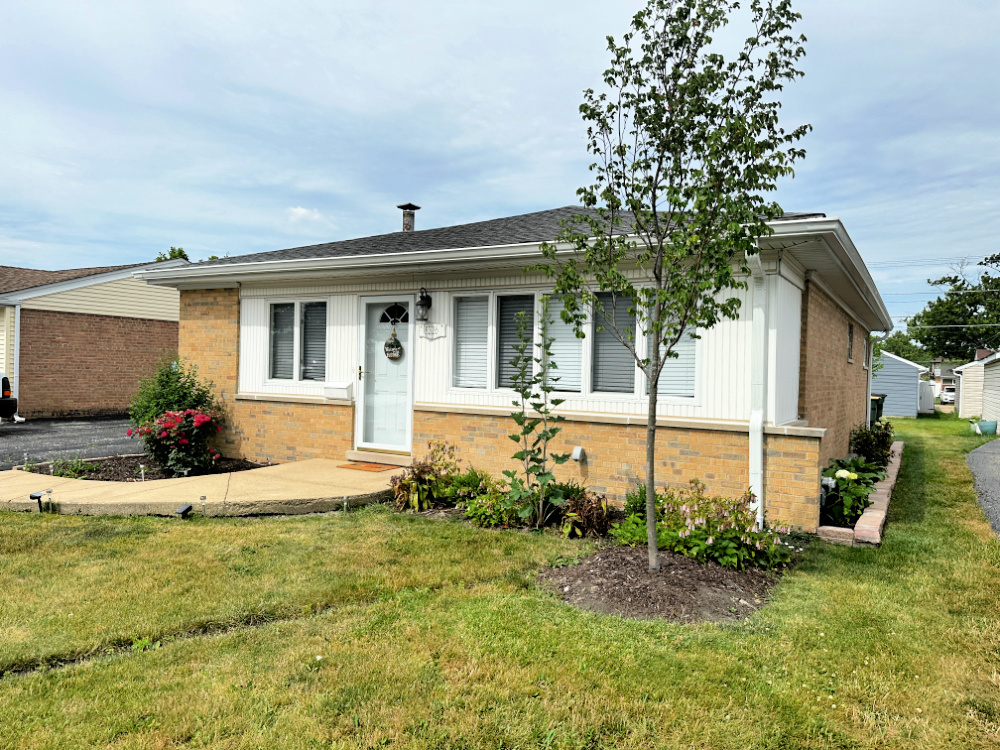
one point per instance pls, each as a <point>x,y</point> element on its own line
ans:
<point>423,305</point>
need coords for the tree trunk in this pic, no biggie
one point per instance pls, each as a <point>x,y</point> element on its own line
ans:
<point>654,557</point>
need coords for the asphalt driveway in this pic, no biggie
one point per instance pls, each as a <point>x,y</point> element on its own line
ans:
<point>985,464</point>
<point>45,439</point>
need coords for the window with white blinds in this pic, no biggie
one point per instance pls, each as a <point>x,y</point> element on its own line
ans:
<point>472,320</point>
<point>313,340</point>
<point>283,341</point>
<point>613,367</point>
<point>298,332</point>
<point>508,308</point>
<point>567,351</point>
<point>677,375</point>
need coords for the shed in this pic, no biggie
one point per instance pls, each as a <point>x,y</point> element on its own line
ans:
<point>899,379</point>
<point>991,390</point>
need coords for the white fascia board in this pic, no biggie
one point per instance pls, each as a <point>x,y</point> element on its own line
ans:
<point>13,298</point>
<point>846,254</point>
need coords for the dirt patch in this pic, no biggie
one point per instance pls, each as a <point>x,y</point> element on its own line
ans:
<point>126,468</point>
<point>617,580</point>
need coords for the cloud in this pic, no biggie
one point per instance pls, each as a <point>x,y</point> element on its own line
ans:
<point>297,215</point>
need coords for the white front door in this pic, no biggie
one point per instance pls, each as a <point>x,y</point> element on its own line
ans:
<point>385,411</point>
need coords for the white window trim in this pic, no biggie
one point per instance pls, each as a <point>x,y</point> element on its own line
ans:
<point>296,343</point>
<point>638,395</point>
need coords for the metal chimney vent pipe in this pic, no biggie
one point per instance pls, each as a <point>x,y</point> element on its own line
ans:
<point>409,215</point>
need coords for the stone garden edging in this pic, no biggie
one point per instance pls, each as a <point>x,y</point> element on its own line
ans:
<point>867,532</point>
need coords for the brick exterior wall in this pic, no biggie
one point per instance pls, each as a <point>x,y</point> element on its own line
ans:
<point>616,458</point>
<point>833,393</point>
<point>256,430</point>
<point>87,365</point>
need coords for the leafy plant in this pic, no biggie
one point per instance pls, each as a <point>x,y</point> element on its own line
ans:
<point>178,440</point>
<point>491,506</point>
<point>873,443</point>
<point>532,488</point>
<point>430,482</point>
<point>855,481</point>
<point>687,144</point>
<point>718,529</point>
<point>583,512</point>
<point>73,468</point>
<point>175,386</point>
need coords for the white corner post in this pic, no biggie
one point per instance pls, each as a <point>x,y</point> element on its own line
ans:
<point>16,375</point>
<point>758,383</point>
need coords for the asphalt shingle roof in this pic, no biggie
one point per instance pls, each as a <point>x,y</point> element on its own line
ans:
<point>539,226</point>
<point>14,279</point>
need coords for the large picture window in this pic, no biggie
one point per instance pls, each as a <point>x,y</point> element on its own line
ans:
<point>297,341</point>
<point>599,365</point>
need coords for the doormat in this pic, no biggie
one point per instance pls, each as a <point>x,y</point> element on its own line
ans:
<point>365,466</point>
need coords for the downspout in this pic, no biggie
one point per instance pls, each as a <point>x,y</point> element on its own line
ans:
<point>17,354</point>
<point>758,383</point>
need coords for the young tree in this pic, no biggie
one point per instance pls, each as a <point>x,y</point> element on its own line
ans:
<point>686,144</point>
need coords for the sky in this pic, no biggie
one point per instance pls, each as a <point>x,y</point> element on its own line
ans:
<point>238,127</point>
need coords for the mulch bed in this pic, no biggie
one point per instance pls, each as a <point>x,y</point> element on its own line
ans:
<point>617,580</point>
<point>126,469</point>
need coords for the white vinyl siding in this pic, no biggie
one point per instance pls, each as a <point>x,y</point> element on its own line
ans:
<point>991,391</point>
<point>124,298</point>
<point>613,368</point>
<point>508,309</point>
<point>567,351</point>
<point>472,323</point>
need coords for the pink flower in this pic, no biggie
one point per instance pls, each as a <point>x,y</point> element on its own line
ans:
<point>182,441</point>
<point>129,432</point>
<point>163,434</point>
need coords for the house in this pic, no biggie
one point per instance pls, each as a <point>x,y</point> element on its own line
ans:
<point>991,389</point>
<point>969,385</point>
<point>76,342</point>
<point>323,351</point>
<point>899,380</point>
<point>942,373</point>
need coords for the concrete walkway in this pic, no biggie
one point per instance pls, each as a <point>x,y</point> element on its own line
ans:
<point>314,486</point>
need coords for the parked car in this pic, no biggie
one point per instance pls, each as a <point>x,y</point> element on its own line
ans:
<point>8,404</point>
<point>948,394</point>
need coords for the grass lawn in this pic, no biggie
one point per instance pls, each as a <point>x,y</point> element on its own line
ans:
<point>372,629</point>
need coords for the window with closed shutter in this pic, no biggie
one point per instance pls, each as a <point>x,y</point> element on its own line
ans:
<point>283,341</point>
<point>567,351</point>
<point>613,369</point>
<point>471,337</point>
<point>508,309</point>
<point>313,340</point>
<point>677,378</point>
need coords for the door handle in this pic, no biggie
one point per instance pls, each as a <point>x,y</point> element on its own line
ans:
<point>361,371</point>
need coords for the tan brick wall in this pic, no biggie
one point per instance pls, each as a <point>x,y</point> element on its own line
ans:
<point>257,430</point>
<point>616,457</point>
<point>87,365</point>
<point>833,393</point>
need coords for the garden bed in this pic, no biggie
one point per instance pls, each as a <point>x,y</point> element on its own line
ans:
<point>126,468</point>
<point>617,580</point>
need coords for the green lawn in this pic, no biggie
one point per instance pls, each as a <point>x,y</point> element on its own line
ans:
<point>432,634</point>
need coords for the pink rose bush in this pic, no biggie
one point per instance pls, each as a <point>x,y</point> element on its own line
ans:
<point>178,440</point>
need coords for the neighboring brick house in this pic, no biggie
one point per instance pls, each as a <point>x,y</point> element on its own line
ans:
<point>298,344</point>
<point>76,342</point>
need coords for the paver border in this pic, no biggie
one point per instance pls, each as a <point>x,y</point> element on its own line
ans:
<point>868,530</point>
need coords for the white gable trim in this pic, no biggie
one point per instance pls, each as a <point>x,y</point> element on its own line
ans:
<point>16,297</point>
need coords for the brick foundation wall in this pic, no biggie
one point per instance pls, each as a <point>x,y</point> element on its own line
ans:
<point>833,393</point>
<point>74,364</point>
<point>616,458</point>
<point>256,430</point>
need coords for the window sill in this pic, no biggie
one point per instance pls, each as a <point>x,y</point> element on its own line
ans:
<point>287,399</point>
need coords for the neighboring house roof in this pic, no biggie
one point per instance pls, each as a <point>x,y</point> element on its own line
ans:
<point>22,283</point>
<point>818,245</point>
<point>14,279</point>
<point>919,368</point>
<point>540,226</point>
<point>978,363</point>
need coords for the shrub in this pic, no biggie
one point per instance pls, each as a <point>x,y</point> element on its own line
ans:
<point>583,513</point>
<point>74,468</point>
<point>178,440</point>
<point>490,505</point>
<point>718,529</point>
<point>855,481</point>
<point>174,386</point>
<point>874,444</point>
<point>635,502</point>
<point>430,482</point>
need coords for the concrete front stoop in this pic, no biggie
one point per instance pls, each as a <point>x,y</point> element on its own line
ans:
<point>867,532</point>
